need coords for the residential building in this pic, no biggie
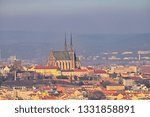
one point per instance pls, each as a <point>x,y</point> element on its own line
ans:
<point>47,70</point>
<point>128,82</point>
<point>115,87</point>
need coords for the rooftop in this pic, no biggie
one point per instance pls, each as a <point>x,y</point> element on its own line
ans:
<point>46,67</point>
<point>62,55</point>
<point>99,71</point>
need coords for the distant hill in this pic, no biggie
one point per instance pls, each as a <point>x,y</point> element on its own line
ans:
<point>113,42</point>
<point>33,45</point>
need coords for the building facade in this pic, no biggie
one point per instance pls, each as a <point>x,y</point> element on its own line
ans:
<point>47,70</point>
<point>128,82</point>
<point>64,60</point>
<point>115,87</point>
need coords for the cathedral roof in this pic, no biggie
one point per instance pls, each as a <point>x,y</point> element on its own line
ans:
<point>61,55</point>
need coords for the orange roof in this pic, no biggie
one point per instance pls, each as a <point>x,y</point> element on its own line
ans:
<point>99,71</point>
<point>80,70</point>
<point>90,68</point>
<point>46,67</point>
<point>59,88</point>
<point>109,92</point>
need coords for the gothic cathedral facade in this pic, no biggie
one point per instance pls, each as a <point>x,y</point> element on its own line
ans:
<point>64,60</point>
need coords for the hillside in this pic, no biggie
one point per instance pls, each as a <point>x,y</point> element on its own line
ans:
<point>31,44</point>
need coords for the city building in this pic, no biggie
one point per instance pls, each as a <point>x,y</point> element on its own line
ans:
<point>4,70</point>
<point>67,73</point>
<point>139,87</point>
<point>145,71</point>
<point>65,60</point>
<point>123,69</point>
<point>115,87</point>
<point>81,72</point>
<point>102,73</point>
<point>47,70</point>
<point>128,82</point>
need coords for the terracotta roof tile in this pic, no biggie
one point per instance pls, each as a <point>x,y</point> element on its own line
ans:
<point>46,67</point>
<point>80,70</point>
<point>99,71</point>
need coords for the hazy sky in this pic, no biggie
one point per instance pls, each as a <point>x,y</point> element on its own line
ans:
<point>81,16</point>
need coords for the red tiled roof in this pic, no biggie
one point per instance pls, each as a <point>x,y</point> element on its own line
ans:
<point>46,67</point>
<point>90,68</point>
<point>99,71</point>
<point>146,75</point>
<point>109,91</point>
<point>59,88</point>
<point>80,70</point>
<point>135,77</point>
<point>145,69</point>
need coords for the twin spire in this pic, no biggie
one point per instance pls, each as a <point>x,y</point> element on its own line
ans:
<point>71,44</point>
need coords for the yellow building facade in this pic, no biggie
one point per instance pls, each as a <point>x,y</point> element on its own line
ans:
<point>115,87</point>
<point>47,71</point>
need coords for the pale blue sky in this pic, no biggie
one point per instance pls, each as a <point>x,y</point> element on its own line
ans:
<point>96,16</point>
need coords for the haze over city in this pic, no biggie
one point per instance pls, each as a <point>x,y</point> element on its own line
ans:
<point>79,16</point>
<point>74,49</point>
<point>37,26</point>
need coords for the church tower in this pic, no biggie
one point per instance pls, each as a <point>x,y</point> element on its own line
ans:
<point>64,60</point>
<point>65,45</point>
<point>71,52</point>
<point>71,45</point>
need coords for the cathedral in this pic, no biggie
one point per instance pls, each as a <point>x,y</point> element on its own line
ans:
<point>64,60</point>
